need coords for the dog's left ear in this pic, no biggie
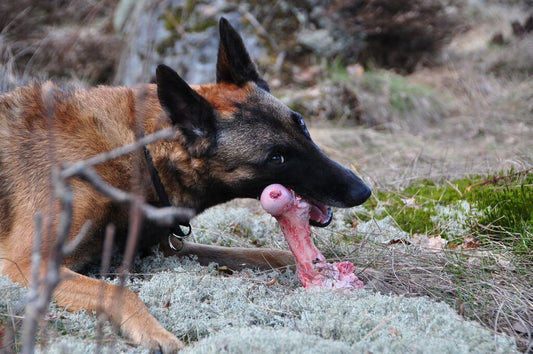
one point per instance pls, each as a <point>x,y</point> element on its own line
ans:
<point>188,110</point>
<point>234,65</point>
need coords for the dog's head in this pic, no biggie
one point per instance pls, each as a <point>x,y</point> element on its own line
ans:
<point>249,138</point>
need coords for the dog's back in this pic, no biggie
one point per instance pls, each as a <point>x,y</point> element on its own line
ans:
<point>42,126</point>
<point>21,122</point>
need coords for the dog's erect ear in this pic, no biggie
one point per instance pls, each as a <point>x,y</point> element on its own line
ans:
<point>234,65</point>
<point>189,111</point>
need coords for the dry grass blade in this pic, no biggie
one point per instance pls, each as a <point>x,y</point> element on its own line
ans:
<point>471,281</point>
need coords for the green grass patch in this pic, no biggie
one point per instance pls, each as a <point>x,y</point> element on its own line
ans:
<point>492,208</point>
<point>337,71</point>
<point>403,93</point>
<point>507,202</point>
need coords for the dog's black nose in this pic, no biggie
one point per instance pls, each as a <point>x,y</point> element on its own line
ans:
<point>359,194</point>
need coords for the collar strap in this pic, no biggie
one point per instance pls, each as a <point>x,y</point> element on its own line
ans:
<point>176,230</point>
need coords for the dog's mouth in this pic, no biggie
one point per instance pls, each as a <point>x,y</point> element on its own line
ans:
<point>321,215</point>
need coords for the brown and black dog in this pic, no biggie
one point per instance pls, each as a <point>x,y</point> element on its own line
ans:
<point>231,140</point>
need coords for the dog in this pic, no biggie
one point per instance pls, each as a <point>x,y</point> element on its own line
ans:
<point>230,140</point>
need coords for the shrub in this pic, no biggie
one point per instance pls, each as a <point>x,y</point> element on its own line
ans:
<point>396,34</point>
<point>69,39</point>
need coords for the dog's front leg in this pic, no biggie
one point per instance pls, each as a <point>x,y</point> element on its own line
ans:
<point>121,305</point>
<point>233,257</point>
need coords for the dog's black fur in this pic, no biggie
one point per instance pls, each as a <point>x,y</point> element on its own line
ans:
<point>232,139</point>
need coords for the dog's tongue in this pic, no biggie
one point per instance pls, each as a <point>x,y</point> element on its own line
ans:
<point>293,214</point>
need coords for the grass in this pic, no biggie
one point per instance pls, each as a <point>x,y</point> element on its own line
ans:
<point>491,208</point>
<point>403,95</point>
<point>484,271</point>
<point>402,92</point>
<point>336,70</point>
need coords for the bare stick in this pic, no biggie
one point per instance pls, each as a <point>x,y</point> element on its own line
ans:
<point>108,250</point>
<point>496,179</point>
<point>167,216</point>
<point>104,271</point>
<point>134,230</point>
<point>257,25</point>
<point>32,312</point>
<point>75,168</point>
<point>41,294</point>
<point>72,245</point>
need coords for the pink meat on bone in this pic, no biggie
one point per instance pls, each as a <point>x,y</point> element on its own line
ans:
<point>292,213</point>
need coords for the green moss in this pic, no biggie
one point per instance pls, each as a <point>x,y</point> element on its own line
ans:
<point>508,209</point>
<point>497,207</point>
<point>415,208</point>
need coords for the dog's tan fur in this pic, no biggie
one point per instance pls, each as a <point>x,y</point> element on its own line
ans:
<point>225,136</point>
<point>86,123</point>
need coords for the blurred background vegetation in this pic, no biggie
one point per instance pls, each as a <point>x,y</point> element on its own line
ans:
<point>335,52</point>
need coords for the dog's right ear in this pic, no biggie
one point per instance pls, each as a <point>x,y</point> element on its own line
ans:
<point>189,111</point>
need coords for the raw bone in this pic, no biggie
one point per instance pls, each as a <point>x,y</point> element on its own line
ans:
<point>292,213</point>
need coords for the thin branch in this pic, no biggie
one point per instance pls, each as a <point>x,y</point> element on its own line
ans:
<point>104,272</point>
<point>40,295</point>
<point>72,245</point>
<point>71,170</point>
<point>134,229</point>
<point>31,314</point>
<point>258,26</point>
<point>167,216</point>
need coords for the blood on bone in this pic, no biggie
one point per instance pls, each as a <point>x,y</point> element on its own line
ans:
<point>275,194</point>
<point>292,213</point>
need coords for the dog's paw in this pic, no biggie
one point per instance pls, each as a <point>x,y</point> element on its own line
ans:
<point>159,341</point>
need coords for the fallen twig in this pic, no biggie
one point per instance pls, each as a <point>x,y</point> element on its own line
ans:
<point>496,179</point>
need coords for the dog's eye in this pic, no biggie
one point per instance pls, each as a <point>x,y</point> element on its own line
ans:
<point>300,121</point>
<point>277,159</point>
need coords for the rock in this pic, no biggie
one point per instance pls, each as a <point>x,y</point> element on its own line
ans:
<point>320,41</point>
<point>181,34</point>
<point>122,13</point>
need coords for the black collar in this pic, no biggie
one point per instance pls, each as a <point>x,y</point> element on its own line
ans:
<point>176,230</point>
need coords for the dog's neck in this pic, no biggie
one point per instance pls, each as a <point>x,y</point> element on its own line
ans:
<point>184,177</point>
